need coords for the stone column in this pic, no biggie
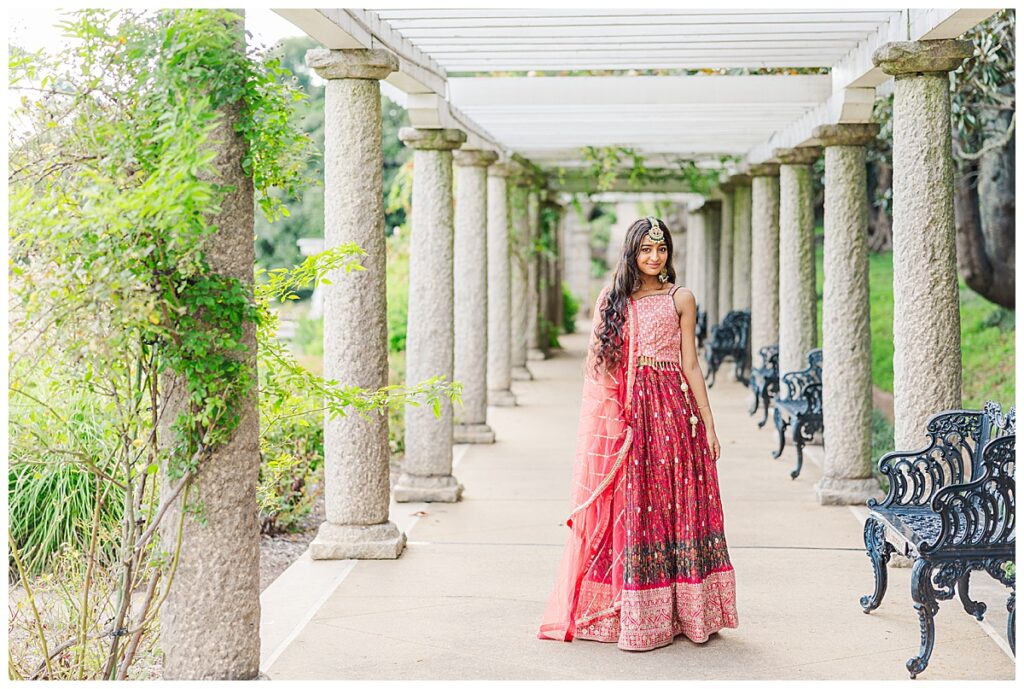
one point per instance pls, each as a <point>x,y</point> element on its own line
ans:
<point>846,329</point>
<point>926,309</point>
<point>695,257</point>
<point>796,258</point>
<point>725,253</point>
<point>356,451</point>
<point>536,347</point>
<point>471,295</point>
<point>210,621</point>
<point>553,292</point>
<point>499,290</point>
<point>430,341</point>
<point>625,214</point>
<point>518,245</point>
<point>764,268</point>
<point>559,268</point>
<point>712,247</point>
<point>741,259</point>
<point>577,257</point>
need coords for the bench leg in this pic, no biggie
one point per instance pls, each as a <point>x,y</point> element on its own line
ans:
<point>798,441</point>
<point>975,608</point>
<point>709,377</point>
<point>1011,633</point>
<point>765,400</point>
<point>757,400</point>
<point>879,550</point>
<point>780,426</point>
<point>927,606</point>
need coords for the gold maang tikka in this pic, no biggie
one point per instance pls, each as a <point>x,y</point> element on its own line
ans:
<point>655,233</point>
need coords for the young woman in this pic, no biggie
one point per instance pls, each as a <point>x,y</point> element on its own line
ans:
<point>647,558</point>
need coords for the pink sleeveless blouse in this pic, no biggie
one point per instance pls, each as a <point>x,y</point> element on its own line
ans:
<point>658,334</point>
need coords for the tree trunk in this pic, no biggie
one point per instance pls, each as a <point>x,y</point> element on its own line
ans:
<point>879,219</point>
<point>985,205</point>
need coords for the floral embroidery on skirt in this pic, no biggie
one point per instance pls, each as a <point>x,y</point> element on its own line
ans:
<point>673,563</point>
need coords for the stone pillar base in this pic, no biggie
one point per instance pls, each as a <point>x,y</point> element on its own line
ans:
<point>501,398</point>
<point>473,433</point>
<point>537,355</point>
<point>413,488</point>
<point>847,491</point>
<point>357,542</point>
<point>521,373</point>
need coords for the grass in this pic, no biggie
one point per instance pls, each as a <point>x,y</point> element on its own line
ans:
<point>986,341</point>
<point>986,336</point>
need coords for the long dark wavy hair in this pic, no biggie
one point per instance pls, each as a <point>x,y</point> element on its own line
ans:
<point>624,280</point>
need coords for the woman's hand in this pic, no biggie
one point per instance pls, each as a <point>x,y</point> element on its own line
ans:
<point>713,444</point>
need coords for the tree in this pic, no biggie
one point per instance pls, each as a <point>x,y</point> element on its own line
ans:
<point>277,242</point>
<point>984,118</point>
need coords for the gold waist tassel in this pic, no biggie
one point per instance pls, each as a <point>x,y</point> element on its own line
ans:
<point>693,417</point>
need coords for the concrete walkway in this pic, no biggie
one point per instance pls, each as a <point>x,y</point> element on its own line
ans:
<point>465,598</point>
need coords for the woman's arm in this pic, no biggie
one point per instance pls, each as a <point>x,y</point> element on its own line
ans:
<point>686,306</point>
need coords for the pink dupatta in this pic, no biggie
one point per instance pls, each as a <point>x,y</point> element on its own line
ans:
<point>602,442</point>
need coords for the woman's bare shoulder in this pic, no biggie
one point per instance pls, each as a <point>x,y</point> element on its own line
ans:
<point>683,296</point>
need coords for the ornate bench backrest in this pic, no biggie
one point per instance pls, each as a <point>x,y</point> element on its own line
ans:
<point>796,381</point>
<point>744,329</point>
<point>952,455</point>
<point>728,334</point>
<point>770,358</point>
<point>981,514</point>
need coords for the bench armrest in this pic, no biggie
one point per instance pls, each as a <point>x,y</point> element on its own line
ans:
<point>915,476</point>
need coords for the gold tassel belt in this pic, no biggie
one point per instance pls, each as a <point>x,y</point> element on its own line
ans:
<point>658,364</point>
<point>655,363</point>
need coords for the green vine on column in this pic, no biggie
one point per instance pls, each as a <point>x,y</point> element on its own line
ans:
<point>113,191</point>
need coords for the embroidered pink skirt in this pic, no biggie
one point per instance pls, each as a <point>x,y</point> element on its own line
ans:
<point>670,562</point>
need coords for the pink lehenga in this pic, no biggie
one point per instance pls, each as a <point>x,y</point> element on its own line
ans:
<point>647,557</point>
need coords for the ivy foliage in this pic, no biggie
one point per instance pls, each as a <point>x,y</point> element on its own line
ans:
<point>606,164</point>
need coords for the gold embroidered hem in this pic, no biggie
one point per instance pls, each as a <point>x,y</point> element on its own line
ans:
<point>651,618</point>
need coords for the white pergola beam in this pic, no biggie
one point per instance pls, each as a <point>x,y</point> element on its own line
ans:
<point>855,70</point>
<point>597,92</point>
<point>419,78</point>
<point>701,117</point>
<point>536,13</point>
<point>855,78</point>
<point>330,28</point>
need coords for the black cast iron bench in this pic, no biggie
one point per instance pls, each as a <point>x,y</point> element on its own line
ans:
<point>764,381</point>
<point>799,406</point>
<point>951,507</point>
<point>729,339</point>
<point>702,326</point>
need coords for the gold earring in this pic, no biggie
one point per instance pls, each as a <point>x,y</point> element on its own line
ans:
<point>663,276</point>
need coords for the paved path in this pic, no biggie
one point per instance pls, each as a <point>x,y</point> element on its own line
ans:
<point>465,598</point>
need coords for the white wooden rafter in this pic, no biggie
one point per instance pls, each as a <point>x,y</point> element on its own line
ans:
<point>548,119</point>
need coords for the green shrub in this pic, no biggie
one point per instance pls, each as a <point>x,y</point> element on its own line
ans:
<point>570,307</point>
<point>396,415</point>
<point>398,288</point>
<point>52,494</point>
<point>291,473</point>
<point>882,441</point>
<point>309,336</point>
